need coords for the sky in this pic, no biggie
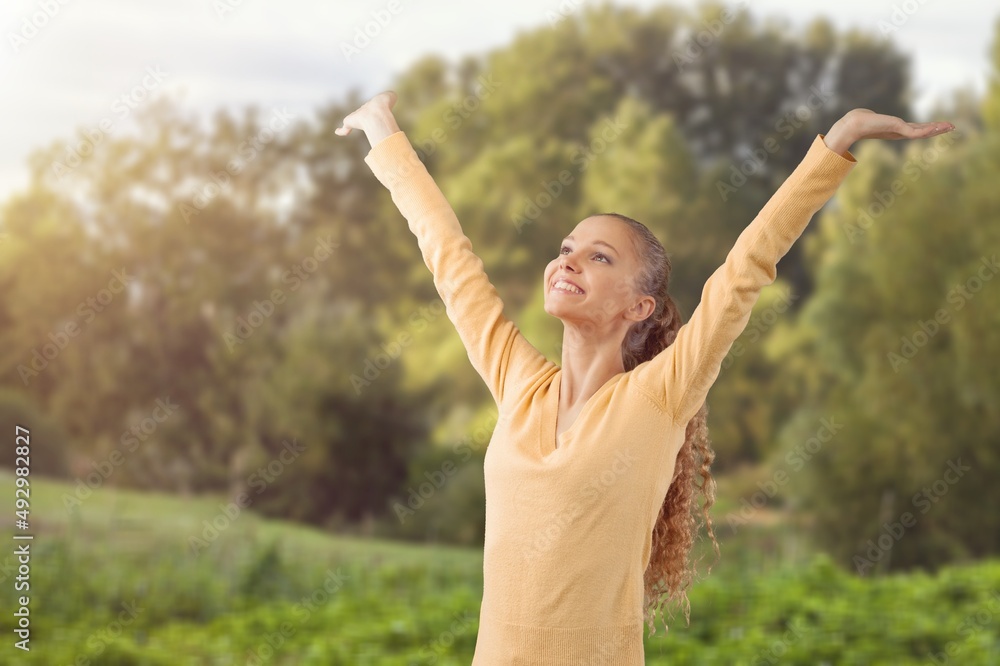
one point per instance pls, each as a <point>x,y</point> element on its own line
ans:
<point>66,64</point>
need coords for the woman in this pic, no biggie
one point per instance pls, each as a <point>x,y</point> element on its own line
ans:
<point>591,469</point>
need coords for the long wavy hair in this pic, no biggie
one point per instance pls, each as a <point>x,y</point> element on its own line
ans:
<point>671,570</point>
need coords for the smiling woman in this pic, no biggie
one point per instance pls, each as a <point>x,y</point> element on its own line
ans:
<point>592,468</point>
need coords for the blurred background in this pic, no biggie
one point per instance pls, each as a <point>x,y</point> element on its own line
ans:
<point>254,434</point>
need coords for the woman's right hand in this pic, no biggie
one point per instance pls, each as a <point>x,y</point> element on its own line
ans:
<point>860,124</point>
<point>374,118</point>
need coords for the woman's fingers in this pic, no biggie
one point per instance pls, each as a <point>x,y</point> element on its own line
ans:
<point>871,125</point>
<point>927,129</point>
<point>912,131</point>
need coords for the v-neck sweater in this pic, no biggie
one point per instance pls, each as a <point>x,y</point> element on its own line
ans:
<point>569,527</point>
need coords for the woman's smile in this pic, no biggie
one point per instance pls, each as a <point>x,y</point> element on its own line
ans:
<point>563,285</point>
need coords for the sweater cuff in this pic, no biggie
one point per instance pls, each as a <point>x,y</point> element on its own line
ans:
<point>846,156</point>
<point>384,158</point>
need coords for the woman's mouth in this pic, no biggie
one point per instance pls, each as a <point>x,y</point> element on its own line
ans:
<point>565,286</point>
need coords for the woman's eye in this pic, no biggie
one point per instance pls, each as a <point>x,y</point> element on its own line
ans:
<point>599,254</point>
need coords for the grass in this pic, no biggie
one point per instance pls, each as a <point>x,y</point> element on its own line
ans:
<point>271,592</point>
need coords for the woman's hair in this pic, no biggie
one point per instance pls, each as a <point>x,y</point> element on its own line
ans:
<point>670,571</point>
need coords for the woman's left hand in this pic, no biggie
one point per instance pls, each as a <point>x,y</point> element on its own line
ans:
<point>860,124</point>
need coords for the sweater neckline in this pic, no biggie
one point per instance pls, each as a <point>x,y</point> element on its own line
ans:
<point>550,413</point>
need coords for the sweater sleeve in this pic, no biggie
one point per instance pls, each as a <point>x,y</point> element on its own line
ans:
<point>498,351</point>
<point>680,376</point>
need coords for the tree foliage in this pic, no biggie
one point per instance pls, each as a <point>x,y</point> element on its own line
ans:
<point>251,271</point>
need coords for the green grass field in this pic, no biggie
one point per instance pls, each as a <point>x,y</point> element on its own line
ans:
<point>117,582</point>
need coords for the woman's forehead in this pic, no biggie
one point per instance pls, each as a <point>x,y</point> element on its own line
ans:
<point>606,229</point>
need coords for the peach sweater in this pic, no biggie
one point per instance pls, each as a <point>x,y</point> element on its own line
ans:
<point>569,528</point>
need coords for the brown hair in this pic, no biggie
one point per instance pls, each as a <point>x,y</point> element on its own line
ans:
<point>670,571</point>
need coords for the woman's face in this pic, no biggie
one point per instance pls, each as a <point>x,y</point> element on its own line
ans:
<point>598,261</point>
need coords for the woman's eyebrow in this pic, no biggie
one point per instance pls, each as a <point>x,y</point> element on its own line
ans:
<point>596,242</point>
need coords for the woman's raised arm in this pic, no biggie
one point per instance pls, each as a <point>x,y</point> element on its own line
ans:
<point>681,375</point>
<point>501,355</point>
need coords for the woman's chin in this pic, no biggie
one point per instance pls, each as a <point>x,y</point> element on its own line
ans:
<point>559,310</point>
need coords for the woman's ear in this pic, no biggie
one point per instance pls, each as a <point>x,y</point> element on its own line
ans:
<point>643,308</point>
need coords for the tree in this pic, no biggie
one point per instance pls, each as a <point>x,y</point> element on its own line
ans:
<point>891,346</point>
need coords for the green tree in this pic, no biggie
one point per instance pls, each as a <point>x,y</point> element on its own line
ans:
<point>892,345</point>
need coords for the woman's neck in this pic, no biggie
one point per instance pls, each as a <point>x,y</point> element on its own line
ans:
<point>587,364</point>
